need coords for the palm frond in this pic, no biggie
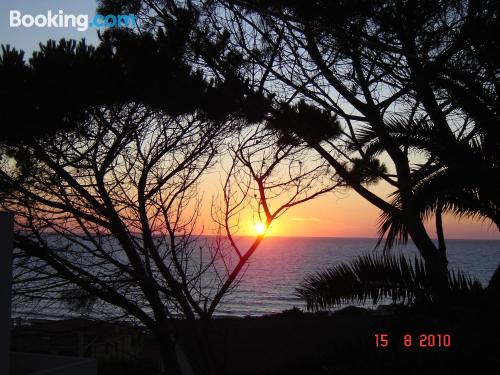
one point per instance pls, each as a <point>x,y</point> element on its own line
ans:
<point>416,134</point>
<point>391,229</point>
<point>475,197</point>
<point>375,277</point>
<point>464,191</point>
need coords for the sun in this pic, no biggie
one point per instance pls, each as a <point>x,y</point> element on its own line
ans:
<point>259,228</point>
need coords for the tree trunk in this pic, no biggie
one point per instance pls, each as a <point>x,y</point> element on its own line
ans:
<point>200,356</point>
<point>436,263</point>
<point>210,360</point>
<point>494,284</point>
<point>437,268</point>
<point>191,354</point>
<point>168,355</point>
<point>496,220</point>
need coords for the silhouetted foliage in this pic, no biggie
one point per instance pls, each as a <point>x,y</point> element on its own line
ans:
<point>62,81</point>
<point>413,82</point>
<point>103,174</point>
<point>375,278</point>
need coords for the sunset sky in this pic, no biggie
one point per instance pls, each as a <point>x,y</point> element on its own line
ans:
<point>349,215</point>
<point>336,214</point>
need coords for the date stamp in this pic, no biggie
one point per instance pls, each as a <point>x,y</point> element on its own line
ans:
<point>424,340</point>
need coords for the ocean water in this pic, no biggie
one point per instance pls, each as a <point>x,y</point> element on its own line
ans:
<point>280,264</point>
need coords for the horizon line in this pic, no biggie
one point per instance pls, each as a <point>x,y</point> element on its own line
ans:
<point>352,237</point>
<point>319,237</point>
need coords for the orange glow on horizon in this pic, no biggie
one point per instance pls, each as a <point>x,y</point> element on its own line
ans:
<point>343,214</point>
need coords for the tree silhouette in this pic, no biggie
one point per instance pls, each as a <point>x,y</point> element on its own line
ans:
<point>368,62</point>
<point>106,194</point>
<point>54,89</point>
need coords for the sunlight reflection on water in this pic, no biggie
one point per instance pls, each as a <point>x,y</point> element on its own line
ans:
<point>280,264</point>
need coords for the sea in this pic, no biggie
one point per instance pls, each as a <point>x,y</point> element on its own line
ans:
<point>280,264</point>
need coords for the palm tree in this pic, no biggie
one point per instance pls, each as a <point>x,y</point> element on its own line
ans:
<point>462,178</point>
<point>377,277</point>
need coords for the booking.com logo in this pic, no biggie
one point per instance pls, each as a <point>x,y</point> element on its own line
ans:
<point>79,21</point>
